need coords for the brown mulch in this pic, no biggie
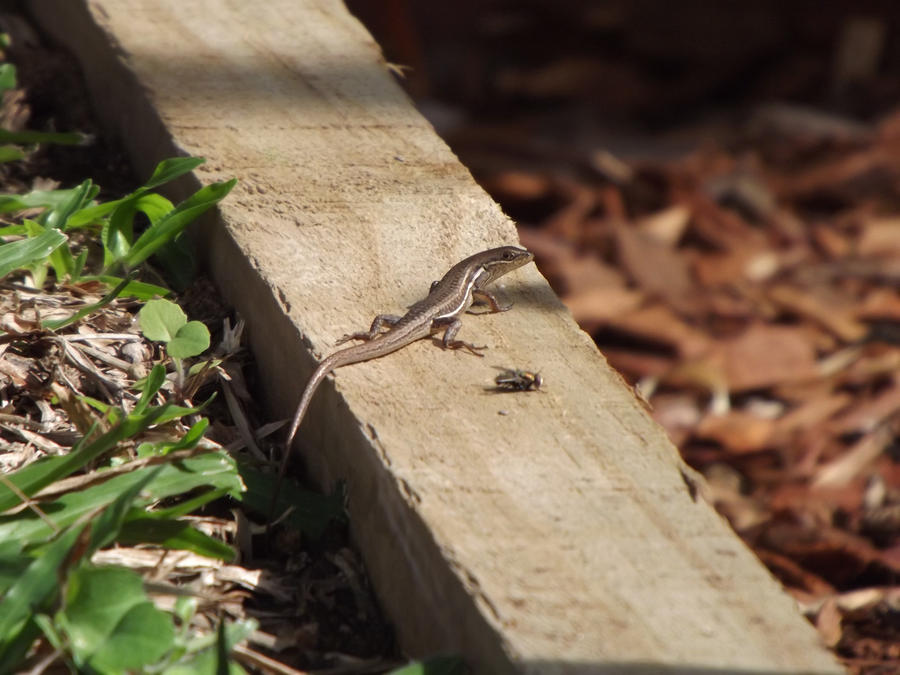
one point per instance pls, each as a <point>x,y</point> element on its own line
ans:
<point>714,192</point>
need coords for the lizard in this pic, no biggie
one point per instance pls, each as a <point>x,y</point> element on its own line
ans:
<point>447,300</point>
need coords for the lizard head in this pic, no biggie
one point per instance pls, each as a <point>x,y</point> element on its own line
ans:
<point>498,261</point>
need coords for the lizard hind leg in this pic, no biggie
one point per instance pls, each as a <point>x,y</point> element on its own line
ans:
<point>380,321</point>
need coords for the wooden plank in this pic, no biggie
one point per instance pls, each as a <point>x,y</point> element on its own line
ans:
<point>541,533</point>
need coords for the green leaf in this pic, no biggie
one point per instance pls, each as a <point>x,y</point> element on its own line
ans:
<point>7,77</point>
<point>190,340</point>
<point>310,513</point>
<point>56,324</point>
<point>118,232</point>
<point>176,535</point>
<point>139,290</point>
<point>154,205</point>
<point>12,563</point>
<point>152,383</point>
<point>206,653</point>
<point>188,441</point>
<point>213,470</point>
<point>19,254</point>
<point>16,646</point>
<point>28,137</point>
<point>91,214</point>
<point>173,223</point>
<point>107,525</point>
<point>174,412</point>
<point>38,475</point>
<point>11,153</point>
<point>164,321</point>
<point>161,320</point>
<point>32,200</point>
<point>178,263</point>
<point>63,263</point>
<point>438,665</point>
<point>76,199</point>
<point>34,586</point>
<point>17,230</point>
<point>170,169</point>
<point>111,624</point>
<point>78,267</point>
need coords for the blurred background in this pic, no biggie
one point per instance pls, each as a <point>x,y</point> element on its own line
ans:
<point>713,190</point>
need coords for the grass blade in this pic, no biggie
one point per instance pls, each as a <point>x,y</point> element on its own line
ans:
<point>173,223</point>
<point>19,254</point>
<point>56,324</point>
<point>29,137</point>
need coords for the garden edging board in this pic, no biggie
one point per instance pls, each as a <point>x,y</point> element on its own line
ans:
<point>547,532</point>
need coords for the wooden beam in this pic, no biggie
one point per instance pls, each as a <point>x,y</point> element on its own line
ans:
<point>538,533</point>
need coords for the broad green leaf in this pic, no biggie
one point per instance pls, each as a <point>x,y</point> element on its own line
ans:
<point>438,665</point>
<point>142,637</point>
<point>173,223</point>
<point>19,254</point>
<point>111,624</point>
<point>161,320</point>
<point>28,137</point>
<point>190,340</point>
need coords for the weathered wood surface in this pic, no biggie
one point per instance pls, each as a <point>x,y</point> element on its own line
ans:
<point>556,538</point>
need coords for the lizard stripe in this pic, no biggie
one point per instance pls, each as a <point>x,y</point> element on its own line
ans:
<point>466,298</point>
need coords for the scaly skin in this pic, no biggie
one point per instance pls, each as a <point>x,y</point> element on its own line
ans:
<point>447,300</point>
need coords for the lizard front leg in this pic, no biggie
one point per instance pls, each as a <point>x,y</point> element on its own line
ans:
<point>451,328</point>
<point>489,299</point>
<point>380,321</point>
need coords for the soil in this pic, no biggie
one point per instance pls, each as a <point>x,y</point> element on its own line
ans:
<point>315,608</point>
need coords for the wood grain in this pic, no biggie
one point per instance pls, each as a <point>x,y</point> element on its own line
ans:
<point>539,533</point>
